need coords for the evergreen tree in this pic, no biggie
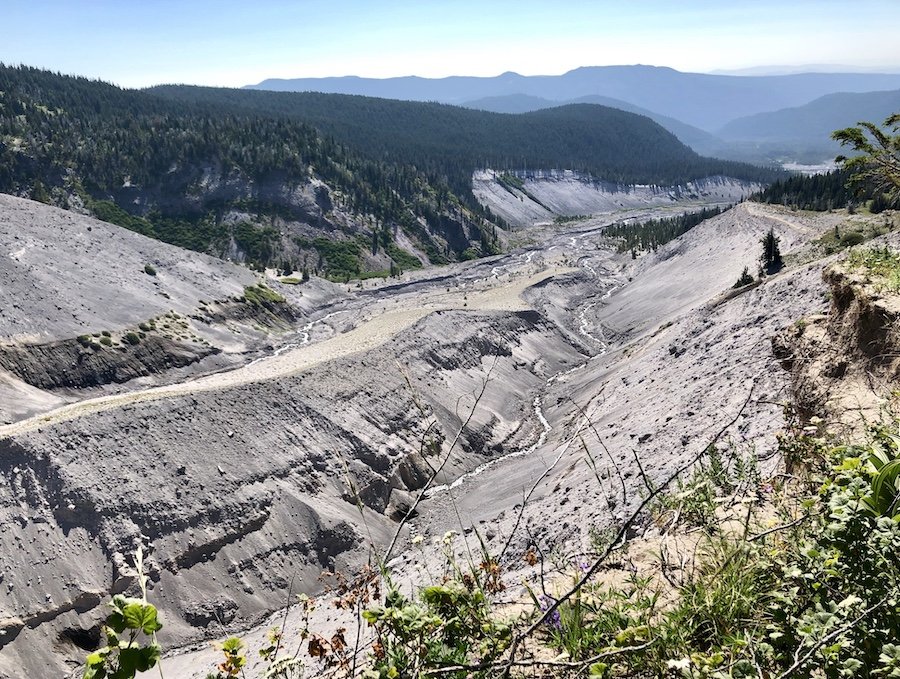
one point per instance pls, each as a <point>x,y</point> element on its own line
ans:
<point>744,279</point>
<point>814,192</point>
<point>877,167</point>
<point>771,255</point>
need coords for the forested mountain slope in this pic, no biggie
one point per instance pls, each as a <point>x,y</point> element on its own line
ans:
<point>697,139</point>
<point>229,182</point>
<point>605,142</point>
<point>815,121</point>
<point>805,131</point>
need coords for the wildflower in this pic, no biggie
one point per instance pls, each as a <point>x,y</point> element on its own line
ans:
<point>418,540</point>
<point>553,621</point>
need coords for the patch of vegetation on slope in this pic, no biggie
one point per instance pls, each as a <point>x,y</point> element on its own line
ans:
<point>818,192</point>
<point>650,234</point>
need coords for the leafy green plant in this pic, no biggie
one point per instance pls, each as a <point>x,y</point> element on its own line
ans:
<point>130,632</point>
<point>234,659</point>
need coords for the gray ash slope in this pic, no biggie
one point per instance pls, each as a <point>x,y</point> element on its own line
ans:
<point>64,276</point>
<point>681,353</point>
<point>240,490</point>
<point>676,356</point>
<point>237,489</point>
<point>241,485</point>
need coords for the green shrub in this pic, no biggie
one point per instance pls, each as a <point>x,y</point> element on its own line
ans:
<point>149,270</point>
<point>404,259</point>
<point>132,338</point>
<point>106,341</point>
<point>851,238</point>
<point>881,264</point>
<point>258,295</point>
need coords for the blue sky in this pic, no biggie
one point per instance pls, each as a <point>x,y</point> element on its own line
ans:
<point>236,43</point>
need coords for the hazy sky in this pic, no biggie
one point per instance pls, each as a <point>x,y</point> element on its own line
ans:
<point>222,42</point>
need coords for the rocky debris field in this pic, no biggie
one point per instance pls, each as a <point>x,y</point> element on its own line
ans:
<point>242,481</point>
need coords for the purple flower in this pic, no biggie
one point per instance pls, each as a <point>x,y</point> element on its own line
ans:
<point>553,621</point>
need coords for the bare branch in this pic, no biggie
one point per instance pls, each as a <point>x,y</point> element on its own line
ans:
<point>437,470</point>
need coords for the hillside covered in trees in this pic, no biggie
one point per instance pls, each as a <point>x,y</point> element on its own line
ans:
<point>829,191</point>
<point>332,183</point>
<point>814,192</point>
<point>652,233</point>
<point>605,142</point>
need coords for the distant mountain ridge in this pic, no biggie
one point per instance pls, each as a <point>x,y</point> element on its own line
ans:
<point>701,141</point>
<point>815,120</point>
<point>702,100</point>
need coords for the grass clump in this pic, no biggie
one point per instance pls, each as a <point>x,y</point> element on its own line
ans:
<point>260,295</point>
<point>882,265</point>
